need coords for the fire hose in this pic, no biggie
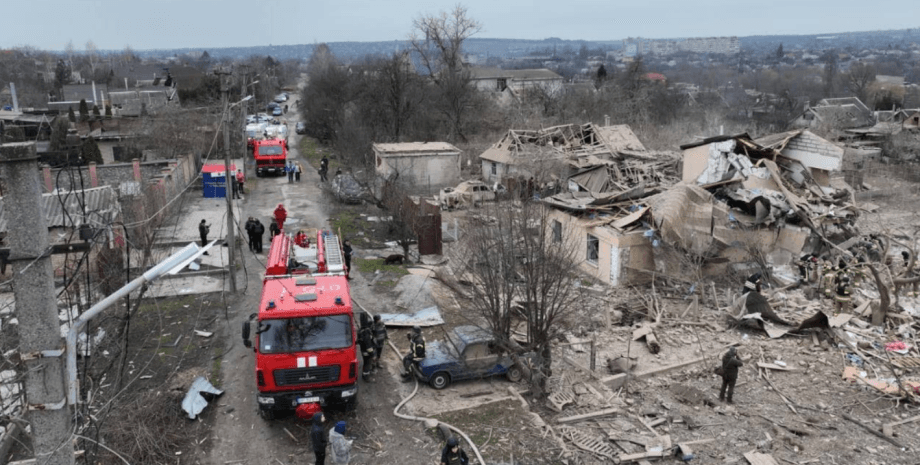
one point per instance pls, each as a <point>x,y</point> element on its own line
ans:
<point>410,396</point>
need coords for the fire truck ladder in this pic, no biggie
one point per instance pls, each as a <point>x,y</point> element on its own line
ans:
<point>335,262</point>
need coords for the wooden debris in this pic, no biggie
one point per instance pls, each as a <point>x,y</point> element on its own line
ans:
<point>756,458</point>
<point>558,400</point>
<point>633,438</point>
<point>640,456</point>
<point>773,366</point>
<point>589,443</point>
<point>888,428</point>
<point>873,431</point>
<point>599,413</point>
<point>77,454</point>
<point>647,332</point>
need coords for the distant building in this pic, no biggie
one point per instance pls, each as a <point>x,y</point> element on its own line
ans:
<point>663,47</point>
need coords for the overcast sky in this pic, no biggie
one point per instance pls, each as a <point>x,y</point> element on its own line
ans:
<point>203,24</point>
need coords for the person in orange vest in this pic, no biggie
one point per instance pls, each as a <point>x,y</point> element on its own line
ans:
<point>280,215</point>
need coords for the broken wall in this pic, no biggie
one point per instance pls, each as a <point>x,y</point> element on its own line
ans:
<point>622,258</point>
<point>814,152</point>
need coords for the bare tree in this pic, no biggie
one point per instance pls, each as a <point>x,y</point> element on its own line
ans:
<point>92,56</point>
<point>438,40</point>
<point>522,263</point>
<point>858,79</point>
<point>69,50</point>
<point>405,221</point>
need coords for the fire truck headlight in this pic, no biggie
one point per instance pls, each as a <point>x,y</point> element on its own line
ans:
<point>350,392</point>
<point>267,400</point>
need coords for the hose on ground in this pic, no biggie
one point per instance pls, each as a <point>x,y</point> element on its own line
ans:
<point>410,396</point>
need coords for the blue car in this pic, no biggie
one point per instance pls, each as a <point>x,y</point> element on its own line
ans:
<point>468,353</point>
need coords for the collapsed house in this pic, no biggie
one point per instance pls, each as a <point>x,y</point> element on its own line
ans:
<point>740,203</point>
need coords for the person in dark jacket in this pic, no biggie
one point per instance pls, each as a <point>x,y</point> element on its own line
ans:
<point>366,342</point>
<point>203,229</point>
<point>250,224</point>
<point>452,454</point>
<point>346,251</point>
<point>730,364</point>
<point>318,438</point>
<point>416,351</point>
<point>274,229</point>
<point>258,229</point>
<point>380,338</point>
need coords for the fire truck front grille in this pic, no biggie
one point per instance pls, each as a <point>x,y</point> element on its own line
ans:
<point>312,375</point>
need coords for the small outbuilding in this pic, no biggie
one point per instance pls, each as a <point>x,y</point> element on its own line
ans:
<point>419,164</point>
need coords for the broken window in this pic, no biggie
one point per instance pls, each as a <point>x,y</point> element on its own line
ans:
<point>557,232</point>
<point>501,84</point>
<point>593,248</point>
<point>494,168</point>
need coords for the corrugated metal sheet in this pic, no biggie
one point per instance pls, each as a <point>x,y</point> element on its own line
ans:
<point>63,209</point>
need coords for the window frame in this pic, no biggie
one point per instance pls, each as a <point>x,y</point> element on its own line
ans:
<point>597,249</point>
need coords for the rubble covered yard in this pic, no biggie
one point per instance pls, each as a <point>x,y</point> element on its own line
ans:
<point>742,249</point>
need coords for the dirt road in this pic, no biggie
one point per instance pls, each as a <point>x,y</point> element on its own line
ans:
<point>239,434</point>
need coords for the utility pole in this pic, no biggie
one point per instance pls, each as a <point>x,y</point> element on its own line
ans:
<point>40,344</point>
<point>225,121</point>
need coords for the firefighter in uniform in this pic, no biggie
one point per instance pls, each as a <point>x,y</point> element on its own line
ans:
<point>842,295</point>
<point>366,341</point>
<point>380,338</point>
<point>416,351</point>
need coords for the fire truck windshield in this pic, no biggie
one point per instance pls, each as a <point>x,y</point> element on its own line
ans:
<point>270,150</point>
<point>305,334</point>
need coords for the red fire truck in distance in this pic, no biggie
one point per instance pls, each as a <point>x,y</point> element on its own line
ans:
<point>304,334</point>
<point>270,155</point>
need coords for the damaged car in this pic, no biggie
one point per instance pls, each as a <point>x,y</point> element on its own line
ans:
<point>468,353</point>
<point>468,193</point>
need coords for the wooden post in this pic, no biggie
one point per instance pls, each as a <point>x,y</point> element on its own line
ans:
<point>593,353</point>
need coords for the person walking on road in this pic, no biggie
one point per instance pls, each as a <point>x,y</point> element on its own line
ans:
<point>452,454</point>
<point>258,229</point>
<point>203,229</point>
<point>280,215</point>
<point>240,179</point>
<point>318,438</point>
<point>340,445</point>
<point>297,170</point>
<point>289,169</point>
<point>323,168</point>
<point>274,229</point>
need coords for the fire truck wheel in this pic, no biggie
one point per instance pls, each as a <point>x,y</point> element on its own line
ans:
<point>514,374</point>
<point>351,405</point>
<point>266,414</point>
<point>440,380</point>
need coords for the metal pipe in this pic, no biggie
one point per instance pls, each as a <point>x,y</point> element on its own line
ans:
<point>80,322</point>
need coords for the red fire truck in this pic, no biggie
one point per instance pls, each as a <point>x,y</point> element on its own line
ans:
<point>270,155</point>
<point>324,255</point>
<point>304,334</point>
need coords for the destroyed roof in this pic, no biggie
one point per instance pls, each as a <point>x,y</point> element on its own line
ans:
<point>413,149</point>
<point>65,208</point>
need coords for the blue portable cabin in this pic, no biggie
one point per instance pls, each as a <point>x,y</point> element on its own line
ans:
<point>213,181</point>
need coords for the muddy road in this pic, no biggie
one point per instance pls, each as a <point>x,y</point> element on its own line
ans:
<point>239,434</point>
